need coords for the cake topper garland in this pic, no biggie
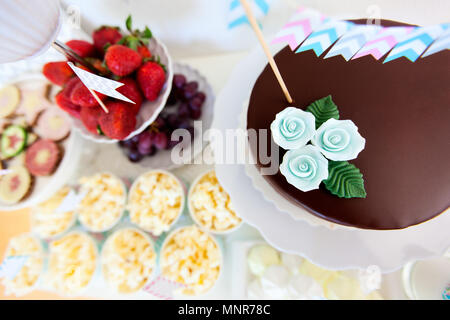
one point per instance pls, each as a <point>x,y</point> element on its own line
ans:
<point>333,142</point>
<point>310,30</point>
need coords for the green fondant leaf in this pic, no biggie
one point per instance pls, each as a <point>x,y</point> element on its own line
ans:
<point>323,109</point>
<point>345,180</point>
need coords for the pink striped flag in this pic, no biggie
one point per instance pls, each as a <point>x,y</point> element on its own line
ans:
<point>299,27</point>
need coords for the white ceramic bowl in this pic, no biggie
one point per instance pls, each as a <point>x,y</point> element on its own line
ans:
<point>221,251</point>
<point>45,187</point>
<point>183,197</point>
<point>116,221</point>
<point>149,109</point>
<point>192,210</point>
<point>109,239</point>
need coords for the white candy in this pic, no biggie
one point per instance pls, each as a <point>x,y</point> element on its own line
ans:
<point>275,281</point>
<point>302,287</point>
<point>260,257</point>
<point>291,261</point>
<point>255,290</point>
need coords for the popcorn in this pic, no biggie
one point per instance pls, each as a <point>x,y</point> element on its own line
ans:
<point>211,206</point>
<point>28,276</point>
<point>156,200</point>
<point>72,263</point>
<point>128,260</point>
<point>193,258</point>
<point>45,219</point>
<point>103,203</point>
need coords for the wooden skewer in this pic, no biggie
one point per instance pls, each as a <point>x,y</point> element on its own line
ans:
<point>259,35</point>
<point>100,102</point>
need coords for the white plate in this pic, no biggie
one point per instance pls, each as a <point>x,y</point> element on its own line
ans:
<point>332,249</point>
<point>45,187</point>
<point>149,109</point>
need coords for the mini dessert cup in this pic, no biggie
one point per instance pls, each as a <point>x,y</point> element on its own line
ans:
<point>46,222</point>
<point>30,275</point>
<point>156,201</point>
<point>104,202</point>
<point>123,266</point>
<point>181,244</point>
<point>72,264</point>
<point>209,218</point>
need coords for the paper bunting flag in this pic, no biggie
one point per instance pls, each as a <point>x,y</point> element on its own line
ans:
<point>383,41</point>
<point>415,43</point>
<point>100,84</point>
<point>300,26</point>
<point>441,43</point>
<point>237,16</point>
<point>163,288</point>
<point>325,35</point>
<point>11,266</point>
<point>352,41</point>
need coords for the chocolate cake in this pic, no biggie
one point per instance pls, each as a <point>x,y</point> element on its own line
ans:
<point>401,108</point>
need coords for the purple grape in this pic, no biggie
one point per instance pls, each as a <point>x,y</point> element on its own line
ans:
<point>134,156</point>
<point>200,95</point>
<point>173,98</point>
<point>145,143</point>
<point>183,110</point>
<point>152,151</point>
<point>172,120</point>
<point>195,103</point>
<point>189,90</point>
<point>184,123</point>
<point>179,80</point>
<point>160,140</point>
<point>195,114</point>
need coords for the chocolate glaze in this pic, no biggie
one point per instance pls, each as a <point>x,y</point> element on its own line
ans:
<point>403,111</point>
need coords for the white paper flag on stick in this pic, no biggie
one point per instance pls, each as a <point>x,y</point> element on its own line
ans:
<point>70,202</point>
<point>11,266</point>
<point>100,84</point>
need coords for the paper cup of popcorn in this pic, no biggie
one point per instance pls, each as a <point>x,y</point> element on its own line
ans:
<point>156,200</point>
<point>128,260</point>
<point>210,205</point>
<point>192,257</point>
<point>72,263</point>
<point>25,259</point>
<point>49,220</point>
<point>103,202</point>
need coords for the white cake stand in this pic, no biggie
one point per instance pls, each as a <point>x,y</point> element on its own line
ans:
<point>341,248</point>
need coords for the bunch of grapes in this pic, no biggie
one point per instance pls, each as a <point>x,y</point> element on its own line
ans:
<point>183,106</point>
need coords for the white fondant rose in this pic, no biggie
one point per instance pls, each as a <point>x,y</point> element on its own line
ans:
<point>293,128</point>
<point>339,140</point>
<point>305,168</point>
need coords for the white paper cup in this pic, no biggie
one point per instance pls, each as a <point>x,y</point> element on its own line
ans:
<point>94,276</point>
<point>107,243</point>
<point>38,281</point>
<point>116,220</point>
<point>182,205</point>
<point>218,245</point>
<point>194,217</point>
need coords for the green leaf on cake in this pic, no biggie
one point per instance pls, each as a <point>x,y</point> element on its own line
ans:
<point>345,180</point>
<point>323,109</point>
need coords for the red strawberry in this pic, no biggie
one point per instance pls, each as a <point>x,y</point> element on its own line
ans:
<point>105,35</point>
<point>122,60</point>
<point>57,72</point>
<point>131,90</point>
<point>144,51</point>
<point>90,118</point>
<point>82,48</point>
<point>119,122</point>
<point>98,64</point>
<point>151,78</point>
<point>63,98</point>
<point>82,96</point>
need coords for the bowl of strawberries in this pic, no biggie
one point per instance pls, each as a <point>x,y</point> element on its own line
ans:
<point>133,57</point>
